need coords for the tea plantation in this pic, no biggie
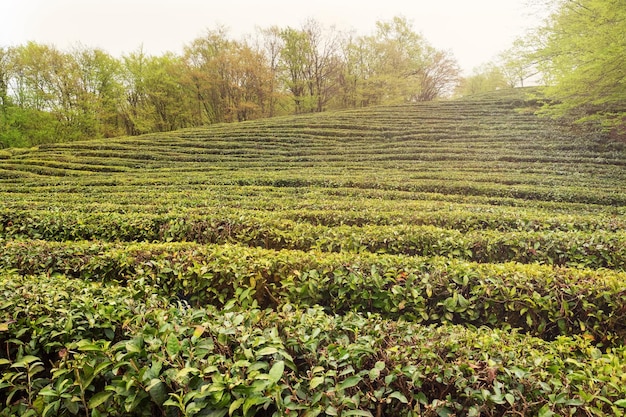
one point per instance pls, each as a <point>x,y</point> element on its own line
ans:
<point>457,258</point>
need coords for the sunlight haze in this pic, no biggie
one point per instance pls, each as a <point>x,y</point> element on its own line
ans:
<point>475,31</point>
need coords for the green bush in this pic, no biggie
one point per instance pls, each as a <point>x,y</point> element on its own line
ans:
<point>542,300</point>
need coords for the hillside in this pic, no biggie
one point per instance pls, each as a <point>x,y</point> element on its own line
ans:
<point>445,258</point>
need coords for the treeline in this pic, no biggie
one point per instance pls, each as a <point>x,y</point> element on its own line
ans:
<point>50,95</point>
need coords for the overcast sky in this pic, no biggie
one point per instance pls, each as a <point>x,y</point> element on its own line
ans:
<point>474,30</point>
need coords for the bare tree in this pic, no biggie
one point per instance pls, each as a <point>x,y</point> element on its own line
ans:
<point>437,76</point>
<point>271,46</point>
<point>324,62</point>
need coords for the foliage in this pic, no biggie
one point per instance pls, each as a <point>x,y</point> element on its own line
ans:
<point>596,250</point>
<point>176,361</point>
<point>484,79</point>
<point>541,300</point>
<point>581,51</point>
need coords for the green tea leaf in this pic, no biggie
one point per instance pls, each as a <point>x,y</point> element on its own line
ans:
<point>545,411</point>
<point>252,402</point>
<point>88,347</point>
<point>28,359</point>
<point>313,413</point>
<point>315,382</point>
<point>173,345</point>
<point>277,371</point>
<point>331,411</point>
<point>157,390</point>
<point>350,382</point>
<point>267,351</point>
<point>399,396</point>
<point>364,413</point>
<point>235,405</point>
<point>99,398</point>
<point>444,412</point>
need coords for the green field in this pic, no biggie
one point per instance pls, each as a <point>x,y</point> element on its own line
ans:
<point>454,258</point>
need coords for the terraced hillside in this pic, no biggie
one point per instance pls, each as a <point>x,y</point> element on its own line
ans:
<point>433,259</point>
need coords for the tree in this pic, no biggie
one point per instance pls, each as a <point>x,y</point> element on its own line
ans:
<point>207,77</point>
<point>294,59</point>
<point>323,63</point>
<point>397,54</point>
<point>270,49</point>
<point>4,77</point>
<point>581,52</point>
<point>437,75</point>
<point>5,101</point>
<point>41,87</point>
<point>517,64</point>
<point>164,94</point>
<point>395,65</point>
<point>134,110</point>
<point>488,77</point>
<point>251,81</point>
<point>100,92</point>
<point>352,72</point>
<point>228,80</point>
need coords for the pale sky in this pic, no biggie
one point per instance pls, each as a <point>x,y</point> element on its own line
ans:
<point>474,30</point>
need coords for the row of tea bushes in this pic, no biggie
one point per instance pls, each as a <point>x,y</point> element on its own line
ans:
<point>318,209</point>
<point>538,299</point>
<point>599,249</point>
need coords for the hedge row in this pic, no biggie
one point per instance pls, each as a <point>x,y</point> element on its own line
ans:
<point>157,360</point>
<point>606,193</point>
<point>324,212</point>
<point>599,249</point>
<point>538,299</point>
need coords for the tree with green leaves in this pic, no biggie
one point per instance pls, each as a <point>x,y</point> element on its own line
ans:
<point>581,52</point>
<point>396,64</point>
<point>4,76</point>
<point>168,101</point>
<point>134,110</point>
<point>5,101</point>
<point>33,111</point>
<point>486,78</point>
<point>100,91</point>
<point>517,64</point>
<point>294,60</point>
<point>227,80</point>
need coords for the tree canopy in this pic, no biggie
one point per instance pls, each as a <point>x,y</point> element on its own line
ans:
<point>581,52</point>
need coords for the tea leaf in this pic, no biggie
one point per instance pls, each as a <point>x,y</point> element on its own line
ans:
<point>350,382</point>
<point>99,398</point>
<point>173,345</point>
<point>276,372</point>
